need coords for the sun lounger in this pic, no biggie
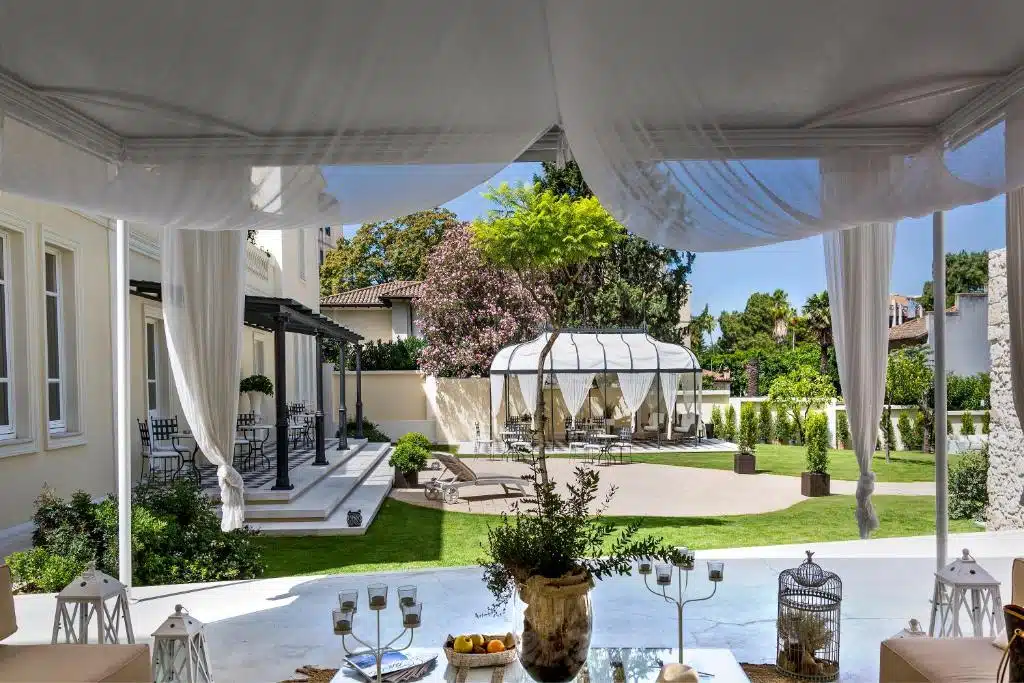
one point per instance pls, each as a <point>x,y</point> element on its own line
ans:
<point>459,475</point>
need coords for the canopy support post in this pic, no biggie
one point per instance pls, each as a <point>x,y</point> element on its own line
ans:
<point>939,352</point>
<point>321,455</point>
<point>282,482</point>
<point>342,411</point>
<point>123,429</point>
<point>359,390</point>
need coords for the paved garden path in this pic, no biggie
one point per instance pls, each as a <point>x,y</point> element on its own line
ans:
<point>656,490</point>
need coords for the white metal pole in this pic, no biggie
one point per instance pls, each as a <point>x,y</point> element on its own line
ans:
<point>124,453</point>
<point>939,351</point>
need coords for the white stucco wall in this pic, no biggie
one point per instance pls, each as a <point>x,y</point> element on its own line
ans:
<point>967,347</point>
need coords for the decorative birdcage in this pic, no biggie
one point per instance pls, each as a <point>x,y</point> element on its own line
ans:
<point>808,623</point>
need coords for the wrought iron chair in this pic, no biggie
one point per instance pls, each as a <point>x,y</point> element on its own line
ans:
<point>625,443</point>
<point>162,452</point>
<point>251,437</point>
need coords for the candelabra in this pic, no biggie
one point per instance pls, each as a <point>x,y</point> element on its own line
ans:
<point>682,568</point>
<point>377,594</point>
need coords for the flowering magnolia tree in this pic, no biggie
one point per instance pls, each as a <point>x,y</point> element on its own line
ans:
<point>470,310</point>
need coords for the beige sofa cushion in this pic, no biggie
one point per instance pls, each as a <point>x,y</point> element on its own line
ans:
<point>8,624</point>
<point>938,660</point>
<point>79,663</point>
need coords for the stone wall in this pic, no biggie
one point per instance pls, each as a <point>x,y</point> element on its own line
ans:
<point>1006,440</point>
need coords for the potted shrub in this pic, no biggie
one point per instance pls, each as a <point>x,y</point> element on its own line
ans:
<point>256,387</point>
<point>408,458</point>
<point>815,481</point>
<point>550,553</point>
<point>744,461</point>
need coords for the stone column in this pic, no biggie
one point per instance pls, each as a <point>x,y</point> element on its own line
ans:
<point>1006,440</point>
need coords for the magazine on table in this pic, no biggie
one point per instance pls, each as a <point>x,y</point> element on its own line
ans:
<point>392,664</point>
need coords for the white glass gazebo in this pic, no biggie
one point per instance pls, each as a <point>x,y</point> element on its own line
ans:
<point>580,357</point>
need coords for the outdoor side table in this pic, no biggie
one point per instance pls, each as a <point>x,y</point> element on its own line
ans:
<point>93,595</point>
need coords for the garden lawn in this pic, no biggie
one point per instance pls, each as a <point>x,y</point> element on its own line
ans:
<point>406,536</point>
<point>904,466</point>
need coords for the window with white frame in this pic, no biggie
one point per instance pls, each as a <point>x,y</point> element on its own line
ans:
<point>152,358</point>
<point>7,422</point>
<point>56,390</point>
<point>302,253</point>
<point>257,357</point>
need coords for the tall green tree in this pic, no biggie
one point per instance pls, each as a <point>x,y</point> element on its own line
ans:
<point>544,240</point>
<point>764,320</point>
<point>966,271</point>
<point>386,251</point>
<point>908,382</point>
<point>799,392</point>
<point>634,282</point>
<point>819,321</point>
<point>700,329</point>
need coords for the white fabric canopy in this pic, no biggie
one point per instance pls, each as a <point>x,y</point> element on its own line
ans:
<point>203,286</point>
<point>574,387</point>
<point>858,265</point>
<point>1015,271</point>
<point>595,352</point>
<point>702,126</point>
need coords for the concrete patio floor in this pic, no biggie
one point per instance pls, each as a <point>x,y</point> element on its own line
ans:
<point>262,630</point>
<point>687,491</point>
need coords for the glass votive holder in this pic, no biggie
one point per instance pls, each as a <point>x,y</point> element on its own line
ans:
<point>406,595</point>
<point>347,599</point>
<point>664,574</point>
<point>342,619</point>
<point>716,571</point>
<point>378,593</point>
<point>411,614</point>
<point>644,568</point>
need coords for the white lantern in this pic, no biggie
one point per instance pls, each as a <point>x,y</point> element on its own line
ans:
<point>964,586</point>
<point>86,598</point>
<point>179,650</point>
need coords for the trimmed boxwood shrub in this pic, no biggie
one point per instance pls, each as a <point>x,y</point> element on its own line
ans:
<point>986,422</point>
<point>843,430</point>
<point>411,453</point>
<point>718,422</point>
<point>371,432</point>
<point>765,424</point>
<point>967,423</point>
<point>968,485</point>
<point>730,423</point>
<point>784,429</point>
<point>176,538</point>
<point>258,383</point>
<point>906,430</point>
<point>816,437</point>
<point>748,428</point>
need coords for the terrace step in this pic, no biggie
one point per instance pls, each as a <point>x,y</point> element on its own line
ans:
<point>302,478</point>
<point>326,495</point>
<point>367,497</point>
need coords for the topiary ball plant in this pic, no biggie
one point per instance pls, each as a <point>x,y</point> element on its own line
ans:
<point>410,456</point>
<point>259,383</point>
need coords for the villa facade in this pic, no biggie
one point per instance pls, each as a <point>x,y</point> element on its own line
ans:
<point>57,392</point>
<point>385,312</point>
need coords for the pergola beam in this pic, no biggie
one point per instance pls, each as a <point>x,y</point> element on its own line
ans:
<point>983,111</point>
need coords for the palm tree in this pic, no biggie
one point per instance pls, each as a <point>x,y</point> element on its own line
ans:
<point>781,312</point>
<point>819,320</point>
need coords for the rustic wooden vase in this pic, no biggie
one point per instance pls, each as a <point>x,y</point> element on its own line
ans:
<point>556,627</point>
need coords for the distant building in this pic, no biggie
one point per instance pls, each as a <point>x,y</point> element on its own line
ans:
<point>967,347</point>
<point>903,309</point>
<point>384,312</point>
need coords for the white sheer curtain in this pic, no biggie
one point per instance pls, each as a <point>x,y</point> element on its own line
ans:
<point>635,386</point>
<point>203,299</point>
<point>528,390</point>
<point>1015,263</point>
<point>497,388</point>
<point>574,387</point>
<point>858,264</point>
<point>669,391</point>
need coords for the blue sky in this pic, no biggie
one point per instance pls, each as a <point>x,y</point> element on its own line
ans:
<point>725,280</point>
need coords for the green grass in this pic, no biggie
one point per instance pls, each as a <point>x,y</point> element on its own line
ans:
<point>405,536</point>
<point>904,466</point>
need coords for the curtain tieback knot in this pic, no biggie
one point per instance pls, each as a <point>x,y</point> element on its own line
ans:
<point>865,485</point>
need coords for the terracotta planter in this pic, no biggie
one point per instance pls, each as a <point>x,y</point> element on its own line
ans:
<point>556,627</point>
<point>814,484</point>
<point>744,463</point>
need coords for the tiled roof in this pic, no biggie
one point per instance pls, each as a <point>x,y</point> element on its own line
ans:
<point>376,295</point>
<point>915,329</point>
